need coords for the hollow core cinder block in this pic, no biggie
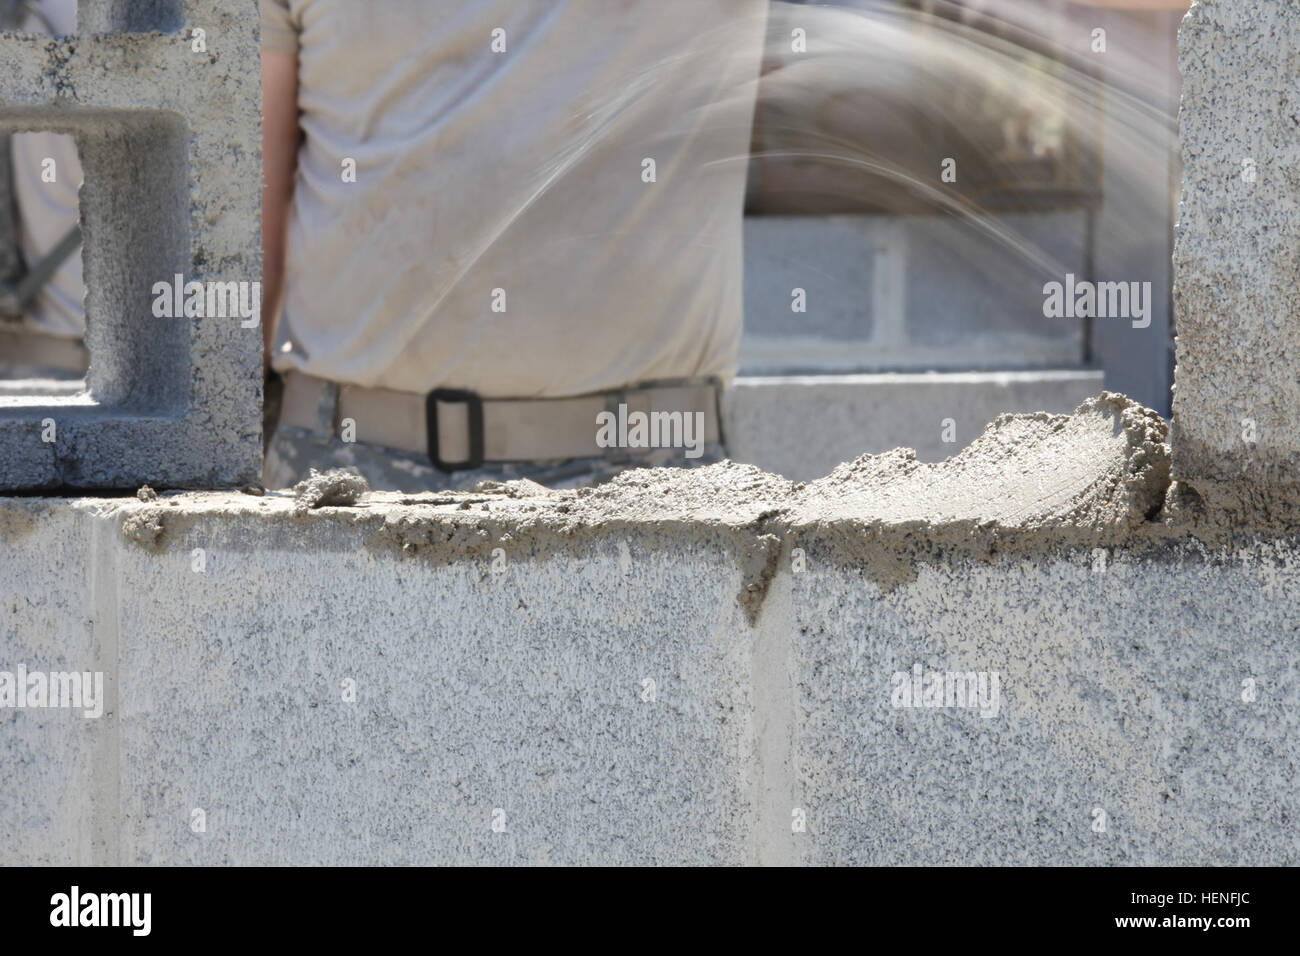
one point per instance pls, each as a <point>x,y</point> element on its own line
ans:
<point>168,123</point>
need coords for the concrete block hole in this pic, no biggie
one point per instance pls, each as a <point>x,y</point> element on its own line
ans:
<point>134,232</point>
<point>107,16</point>
<point>42,290</point>
<point>130,16</point>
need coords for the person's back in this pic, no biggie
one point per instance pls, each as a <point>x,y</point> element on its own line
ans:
<point>524,200</point>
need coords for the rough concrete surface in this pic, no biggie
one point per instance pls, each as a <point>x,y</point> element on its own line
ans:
<point>1121,691</point>
<point>170,144</point>
<point>1030,481</point>
<point>498,644</point>
<point>1237,267</point>
<point>476,691</point>
<point>49,761</point>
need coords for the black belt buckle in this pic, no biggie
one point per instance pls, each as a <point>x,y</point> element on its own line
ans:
<point>451,396</point>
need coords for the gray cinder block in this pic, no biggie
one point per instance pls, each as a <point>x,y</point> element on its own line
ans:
<point>1237,265</point>
<point>169,131</point>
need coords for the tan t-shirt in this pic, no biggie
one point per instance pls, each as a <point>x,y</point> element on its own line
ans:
<point>547,196</point>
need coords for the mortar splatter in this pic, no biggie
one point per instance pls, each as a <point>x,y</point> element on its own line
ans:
<point>337,487</point>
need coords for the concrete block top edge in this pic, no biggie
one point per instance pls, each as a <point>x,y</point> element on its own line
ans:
<point>1110,487</point>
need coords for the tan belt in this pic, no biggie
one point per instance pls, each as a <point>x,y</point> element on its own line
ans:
<point>469,430</point>
<point>29,347</point>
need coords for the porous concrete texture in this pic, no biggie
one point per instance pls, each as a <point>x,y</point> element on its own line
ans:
<point>802,426</point>
<point>1121,683</point>
<point>499,641</point>
<point>521,689</point>
<point>52,621</point>
<point>1237,263</point>
<point>170,144</point>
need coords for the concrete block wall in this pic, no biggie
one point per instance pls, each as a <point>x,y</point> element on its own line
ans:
<point>498,645</point>
<point>168,125</point>
<point>1139,611</point>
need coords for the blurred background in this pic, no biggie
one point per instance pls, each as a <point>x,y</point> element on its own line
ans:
<point>1058,121</point>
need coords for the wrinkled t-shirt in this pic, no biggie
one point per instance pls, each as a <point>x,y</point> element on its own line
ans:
<point>547,196</point>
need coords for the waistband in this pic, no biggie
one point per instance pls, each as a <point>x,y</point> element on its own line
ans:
<point>458,429</point>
